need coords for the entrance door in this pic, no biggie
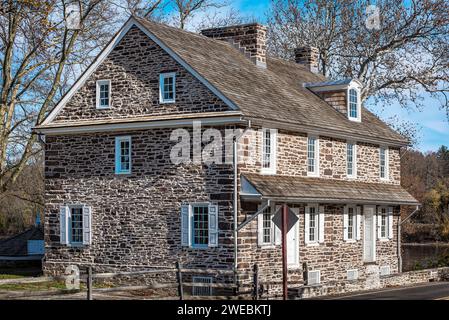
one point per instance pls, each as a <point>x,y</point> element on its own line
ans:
<point>293,244</point>
<point>369,234</point>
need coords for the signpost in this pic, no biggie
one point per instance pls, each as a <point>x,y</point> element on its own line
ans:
<point>284,219</point>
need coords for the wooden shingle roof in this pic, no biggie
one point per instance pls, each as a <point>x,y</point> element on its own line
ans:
<point>328,190</point>
<point>275,93</point>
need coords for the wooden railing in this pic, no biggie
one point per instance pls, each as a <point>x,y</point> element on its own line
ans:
<point>89,279</point>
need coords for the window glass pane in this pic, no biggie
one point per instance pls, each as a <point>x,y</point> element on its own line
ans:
<point>383,223</point>
<point>350,159</point>
<point>350,223</point>
<point>201,225</point>
<point>311,154</point>
<point>353,101</point>
<point>76,225</point>
<point>168,88</point>
<point>266,157</point>
<point>267,227</point>
<point>382,163</point>
<point>104,95</point>
<point>313,224</point>
<point>125,155</point>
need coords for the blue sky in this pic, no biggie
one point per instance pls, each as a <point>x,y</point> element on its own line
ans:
<point>431,121</point>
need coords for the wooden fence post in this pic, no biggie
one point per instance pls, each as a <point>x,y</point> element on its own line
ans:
<point>256,282</point>
<point>89,283</point>
<point>180,288</point>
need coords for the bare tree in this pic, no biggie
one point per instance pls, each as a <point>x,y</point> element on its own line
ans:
<point>186,9</point>
<point>41,49</point>
<point>397,60</point>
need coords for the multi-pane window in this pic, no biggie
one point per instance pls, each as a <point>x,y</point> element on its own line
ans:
<point>266,163</point>
<point>351,223</point>
<point>266,227</point>
<point>313,224</point>
<point>123,155</point>
<point>103,94</point>
<point>351,159</point>
<point>200,229</point>
<point>312,156</point>
<point>383,163</point>
<point>167,87</point>
<point>383,223</point>
<point>76,225</point>
<point>269,137</point>
<point>353,104</point>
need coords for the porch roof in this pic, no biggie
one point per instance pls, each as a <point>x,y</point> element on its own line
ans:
<point>305,189</point>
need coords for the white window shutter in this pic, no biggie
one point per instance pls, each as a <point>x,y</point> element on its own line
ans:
<point>306,225</point>
<point>379,221</point>
<point>277,231</point>
<point>321,221</point>
<point>345,224</point>
<point>185,226</point>
<point>260,229</point>
<point>87,225</point>
<point>213,225</point>
<point>63,219</point>
<point>390,222</point>
<point>358,223</point>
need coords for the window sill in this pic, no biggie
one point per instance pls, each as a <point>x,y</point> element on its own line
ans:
<point>313,244</point>
<point>383,239</point>
<point>313,175</point>
<point>267,246</point>
<point>167,102</point>
<point>267,173</point>
<point>351,177</point>
<point>103,108</point>
<point>351,241</point>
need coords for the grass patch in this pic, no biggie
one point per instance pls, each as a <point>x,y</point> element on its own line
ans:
<point>41,286</point>
<point>9,276</point>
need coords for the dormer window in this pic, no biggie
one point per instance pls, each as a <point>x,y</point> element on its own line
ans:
<point>354,105</point>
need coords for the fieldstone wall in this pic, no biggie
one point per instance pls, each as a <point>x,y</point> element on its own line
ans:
<point>333,258</point>
<point>134,67</point>
<point>136,217</point>
<point>292,157</point>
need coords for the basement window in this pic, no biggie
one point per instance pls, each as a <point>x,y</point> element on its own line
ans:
<point>314,277</point>
<point>167,87</point>
<point>203,290</point>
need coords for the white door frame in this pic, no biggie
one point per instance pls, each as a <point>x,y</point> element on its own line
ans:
<point>294,229</point>
<point>374,232</point>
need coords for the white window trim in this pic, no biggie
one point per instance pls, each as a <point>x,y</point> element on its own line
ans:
<point>163,76</point>
<point>359,104</point>
<point>273,155</point>
<point>319,238</point>
<point>388,221</point>
<point>260,243</point>
<point>118,140</point>
<point>315,173</point>
<point>354,160</point>
<point>387,163</point>
<point>384,271</point>
<point>97,104</point>
<point>356,224</point>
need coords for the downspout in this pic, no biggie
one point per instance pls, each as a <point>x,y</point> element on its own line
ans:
<point>399,236</point>
<point>235,205</point>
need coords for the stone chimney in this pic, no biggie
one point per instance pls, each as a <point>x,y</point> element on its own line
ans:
<point>251,39</point>
<point>308,56</point>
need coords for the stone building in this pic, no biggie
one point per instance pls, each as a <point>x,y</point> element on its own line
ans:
<point>115,196</point>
